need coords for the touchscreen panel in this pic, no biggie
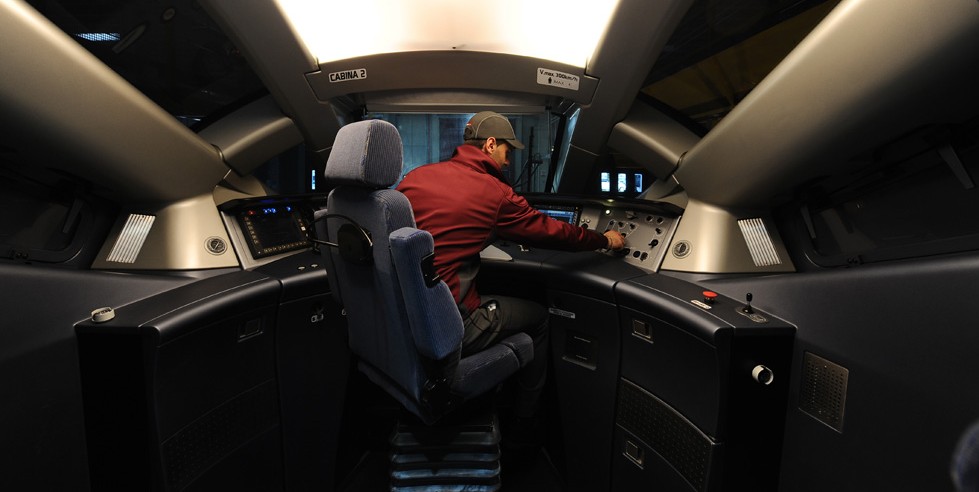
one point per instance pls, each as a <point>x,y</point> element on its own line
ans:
<point>272,230</point>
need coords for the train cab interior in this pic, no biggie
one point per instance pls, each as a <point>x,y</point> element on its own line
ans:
<point>793,310</point>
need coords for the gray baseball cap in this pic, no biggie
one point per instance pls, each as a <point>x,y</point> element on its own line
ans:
<point>488,124</point>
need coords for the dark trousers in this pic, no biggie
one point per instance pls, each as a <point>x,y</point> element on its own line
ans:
<point>500,317</point>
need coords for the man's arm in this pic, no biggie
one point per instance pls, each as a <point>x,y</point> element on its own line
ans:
<point>519,221</point>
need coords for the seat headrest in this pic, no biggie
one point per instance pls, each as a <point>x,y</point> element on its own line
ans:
<point>366,153</point>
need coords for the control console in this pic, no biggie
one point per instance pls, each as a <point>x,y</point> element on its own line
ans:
<point>648,227</point>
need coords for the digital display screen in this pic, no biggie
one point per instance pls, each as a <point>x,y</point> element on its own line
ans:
<point>563,213</point>
<point>272,230</point>
<point>622,182</point>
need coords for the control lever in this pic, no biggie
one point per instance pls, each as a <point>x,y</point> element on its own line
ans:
<point>749,312</point>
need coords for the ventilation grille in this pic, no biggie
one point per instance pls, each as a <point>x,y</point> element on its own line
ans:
<point>197,447</point>
<point>673,437</point>
<point>759,242</point>
<point>823,392</point>
<point>131,238</point>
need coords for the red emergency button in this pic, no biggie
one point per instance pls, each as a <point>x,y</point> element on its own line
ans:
<point>709,296</point>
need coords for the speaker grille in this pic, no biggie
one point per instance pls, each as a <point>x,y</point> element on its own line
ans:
<point>759,242</point>
<point>207,440</point>
<point>667,432</point>
<point>131,238</point>
<point>823,392</point>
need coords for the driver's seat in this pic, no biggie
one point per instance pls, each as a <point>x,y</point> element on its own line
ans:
<point>403,322</point>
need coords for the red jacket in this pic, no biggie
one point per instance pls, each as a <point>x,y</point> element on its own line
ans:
<point>465,203</point>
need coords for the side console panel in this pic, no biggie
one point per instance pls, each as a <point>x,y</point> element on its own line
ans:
<point>702,390</point>
<point>180,389</point>
<point>883,374</point>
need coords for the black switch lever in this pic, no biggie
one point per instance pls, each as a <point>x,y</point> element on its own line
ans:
<point>747,307</point>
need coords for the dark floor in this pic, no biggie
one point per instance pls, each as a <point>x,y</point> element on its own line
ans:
<point>372,415</point>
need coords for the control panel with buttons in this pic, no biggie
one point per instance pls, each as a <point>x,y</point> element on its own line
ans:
<point>647,226</point>
<point>646,232</point>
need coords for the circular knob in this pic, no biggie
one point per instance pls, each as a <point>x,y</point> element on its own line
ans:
<point>763,375</point>
<point>101,315</point>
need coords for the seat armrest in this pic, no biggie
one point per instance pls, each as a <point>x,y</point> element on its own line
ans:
<point>436,325</point>
<point>481,371</point>
<point>522,346</point>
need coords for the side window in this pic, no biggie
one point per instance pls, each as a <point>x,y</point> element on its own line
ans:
<point>922,200</point>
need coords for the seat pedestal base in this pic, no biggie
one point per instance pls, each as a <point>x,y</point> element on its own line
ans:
<point>450,456</point>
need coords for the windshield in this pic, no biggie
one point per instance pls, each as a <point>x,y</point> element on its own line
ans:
<point>433,137</point>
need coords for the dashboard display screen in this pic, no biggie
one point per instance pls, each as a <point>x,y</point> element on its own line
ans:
<point>273,229</point>
<point>567,214</point>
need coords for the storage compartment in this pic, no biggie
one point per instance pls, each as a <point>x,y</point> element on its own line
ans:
<point>676,366</point>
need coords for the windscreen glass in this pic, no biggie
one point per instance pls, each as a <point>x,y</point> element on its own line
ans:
<point>433,137</point>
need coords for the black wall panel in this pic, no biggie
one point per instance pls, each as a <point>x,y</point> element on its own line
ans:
<point>907,334</point>
<point>41,417</point>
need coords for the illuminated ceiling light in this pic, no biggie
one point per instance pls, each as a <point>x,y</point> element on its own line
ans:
<point>557,30</point>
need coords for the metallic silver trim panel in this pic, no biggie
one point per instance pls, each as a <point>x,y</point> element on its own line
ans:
<point>182,238</point>
<point>709,240</point>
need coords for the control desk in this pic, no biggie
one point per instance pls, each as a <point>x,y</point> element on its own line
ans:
<point>647,226</point>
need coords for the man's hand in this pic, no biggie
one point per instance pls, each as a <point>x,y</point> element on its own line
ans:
<point>615,240</point>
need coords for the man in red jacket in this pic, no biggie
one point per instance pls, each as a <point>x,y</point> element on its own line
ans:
<point>466,204</point>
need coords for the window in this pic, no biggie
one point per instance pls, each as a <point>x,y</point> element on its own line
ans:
<point>293,171</point>
<point>920,200</point>
<point>433,137</point>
